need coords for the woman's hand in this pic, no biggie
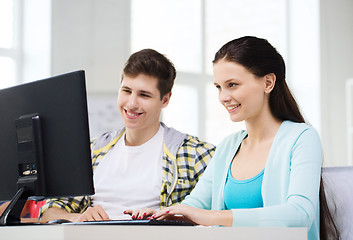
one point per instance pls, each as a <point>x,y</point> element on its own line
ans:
<point>196,215</point>
<point>141,214</point>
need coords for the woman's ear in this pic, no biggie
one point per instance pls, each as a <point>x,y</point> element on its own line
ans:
<point>270,81</point>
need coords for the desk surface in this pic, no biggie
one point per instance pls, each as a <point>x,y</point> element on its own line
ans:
<point>95,232</point>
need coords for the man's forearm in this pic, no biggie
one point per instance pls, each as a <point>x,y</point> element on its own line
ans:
<point>57,213</point>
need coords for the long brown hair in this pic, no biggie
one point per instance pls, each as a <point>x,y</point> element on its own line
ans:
<point>260,58</point>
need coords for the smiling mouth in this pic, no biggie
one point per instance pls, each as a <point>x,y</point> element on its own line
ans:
<point>131,115</point>
<point>233,107</point>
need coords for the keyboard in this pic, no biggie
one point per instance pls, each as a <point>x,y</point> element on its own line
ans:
<point>136,222</point>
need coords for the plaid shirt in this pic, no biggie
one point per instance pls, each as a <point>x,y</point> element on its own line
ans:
<point>185,158</point>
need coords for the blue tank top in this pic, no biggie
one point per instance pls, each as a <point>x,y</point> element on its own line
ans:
<point>243,193</point>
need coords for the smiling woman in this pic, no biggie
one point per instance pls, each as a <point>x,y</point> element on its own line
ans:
<point>275,164</point>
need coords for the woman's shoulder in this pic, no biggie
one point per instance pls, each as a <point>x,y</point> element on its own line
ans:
<point>290,127</point>
<point>292,132</point>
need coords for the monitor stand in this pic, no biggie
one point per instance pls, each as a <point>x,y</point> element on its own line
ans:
<point>12,214</point>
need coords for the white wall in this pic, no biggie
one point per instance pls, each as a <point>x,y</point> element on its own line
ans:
<point>303,60</point>
<point>36,40</point>
<point>92,35</point>
<point>336,51</point>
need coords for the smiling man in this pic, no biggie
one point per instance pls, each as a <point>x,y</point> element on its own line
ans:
<point>145,165</point>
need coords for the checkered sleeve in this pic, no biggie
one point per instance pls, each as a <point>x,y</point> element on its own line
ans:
<point>204,153</point>
<point>192,159</point>
<point>71,205</point>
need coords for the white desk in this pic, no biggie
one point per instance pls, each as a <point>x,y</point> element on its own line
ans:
<point>105,232</point>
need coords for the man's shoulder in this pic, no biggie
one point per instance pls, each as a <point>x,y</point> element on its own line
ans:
<point>182,143</point>
<point>106,139</point>
<point>195,142</point>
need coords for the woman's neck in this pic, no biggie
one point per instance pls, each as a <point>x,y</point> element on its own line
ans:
<point>262,129</point>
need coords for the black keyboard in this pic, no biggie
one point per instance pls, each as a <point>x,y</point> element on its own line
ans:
<point>136,222</point>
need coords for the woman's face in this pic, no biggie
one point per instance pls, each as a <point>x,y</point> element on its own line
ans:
<point>244,95</point>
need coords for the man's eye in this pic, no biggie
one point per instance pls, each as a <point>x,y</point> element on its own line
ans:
<point>145,95</point>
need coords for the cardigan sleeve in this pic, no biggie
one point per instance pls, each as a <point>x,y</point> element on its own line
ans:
<point>207,191</point>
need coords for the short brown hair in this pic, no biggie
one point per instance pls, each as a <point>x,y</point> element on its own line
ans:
<point>154,64</point>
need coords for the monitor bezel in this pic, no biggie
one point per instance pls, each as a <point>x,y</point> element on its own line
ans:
<point>61,103</point>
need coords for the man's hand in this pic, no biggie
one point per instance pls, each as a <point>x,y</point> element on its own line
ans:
<point>95,213</point>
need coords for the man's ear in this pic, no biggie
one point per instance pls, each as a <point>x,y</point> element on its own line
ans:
<point>165,99</point>
<point>269,82</point>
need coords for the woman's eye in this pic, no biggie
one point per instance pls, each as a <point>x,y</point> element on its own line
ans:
<point>232,84</point>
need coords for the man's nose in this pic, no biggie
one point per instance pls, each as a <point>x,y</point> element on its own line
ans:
<point>133,103</point>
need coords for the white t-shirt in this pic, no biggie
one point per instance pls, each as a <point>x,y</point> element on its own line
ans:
<point>130,177</point>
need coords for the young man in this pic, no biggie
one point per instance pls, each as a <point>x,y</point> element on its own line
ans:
<point>145,165</point>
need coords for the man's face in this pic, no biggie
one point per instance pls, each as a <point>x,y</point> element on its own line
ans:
<point>139,102</point>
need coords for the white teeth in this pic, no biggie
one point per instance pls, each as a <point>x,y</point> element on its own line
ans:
<point>132,114</point>
<point>232,107</point>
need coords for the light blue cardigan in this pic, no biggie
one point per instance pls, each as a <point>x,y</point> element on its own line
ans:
<point>290,188</point>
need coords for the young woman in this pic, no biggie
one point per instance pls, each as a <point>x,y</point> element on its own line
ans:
<point>268,175</point>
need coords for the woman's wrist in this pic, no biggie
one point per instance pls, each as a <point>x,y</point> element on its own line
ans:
<point>222,217</point>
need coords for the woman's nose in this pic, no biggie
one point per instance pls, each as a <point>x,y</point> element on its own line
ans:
<point>224,96</point>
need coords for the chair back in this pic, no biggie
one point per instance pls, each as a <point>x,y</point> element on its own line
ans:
<point>338,183</point>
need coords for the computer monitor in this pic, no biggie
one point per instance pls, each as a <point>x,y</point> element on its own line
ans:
<point>44,142</point>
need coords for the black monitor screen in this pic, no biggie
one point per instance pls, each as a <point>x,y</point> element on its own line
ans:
<point>59,105</point>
